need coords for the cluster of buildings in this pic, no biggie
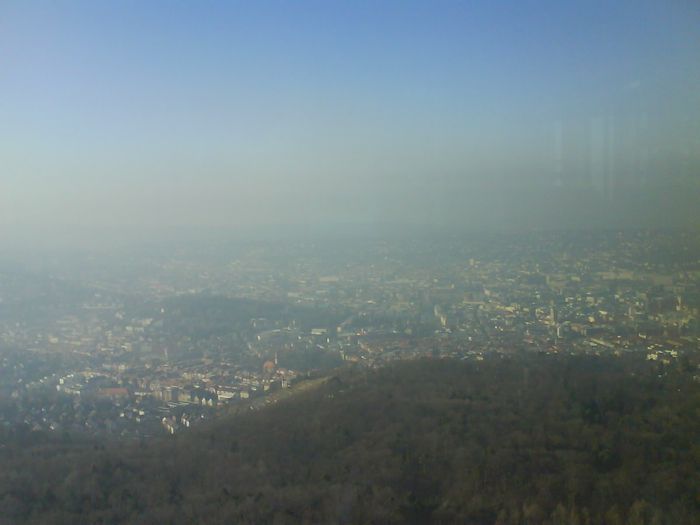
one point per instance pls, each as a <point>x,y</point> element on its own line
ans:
<point>119,363</point>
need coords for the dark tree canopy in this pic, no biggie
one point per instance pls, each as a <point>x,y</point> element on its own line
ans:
<point>533,439</point>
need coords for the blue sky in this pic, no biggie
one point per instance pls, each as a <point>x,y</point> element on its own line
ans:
<point>244,113</point>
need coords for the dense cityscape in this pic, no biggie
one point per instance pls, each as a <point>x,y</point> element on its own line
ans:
<point>150,345</point>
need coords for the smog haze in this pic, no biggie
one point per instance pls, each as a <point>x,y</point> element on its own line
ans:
<point>128,117</point>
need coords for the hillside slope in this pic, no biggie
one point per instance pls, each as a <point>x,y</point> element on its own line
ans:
<point>531,439</point>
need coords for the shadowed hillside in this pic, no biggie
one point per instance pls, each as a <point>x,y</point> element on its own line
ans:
<point>526,440</point>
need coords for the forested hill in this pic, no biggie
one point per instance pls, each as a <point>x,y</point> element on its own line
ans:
<point>534,439</point>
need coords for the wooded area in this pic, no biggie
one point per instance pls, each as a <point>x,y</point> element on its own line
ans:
<point>530,439</point>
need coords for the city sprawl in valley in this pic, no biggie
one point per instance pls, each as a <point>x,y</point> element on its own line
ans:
<point>154,344</point>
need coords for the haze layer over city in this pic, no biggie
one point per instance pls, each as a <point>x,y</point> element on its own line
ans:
<point>364,262</point>
<point>124,117</point>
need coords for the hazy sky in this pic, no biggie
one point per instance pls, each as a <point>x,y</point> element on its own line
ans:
<point>232,114</point>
